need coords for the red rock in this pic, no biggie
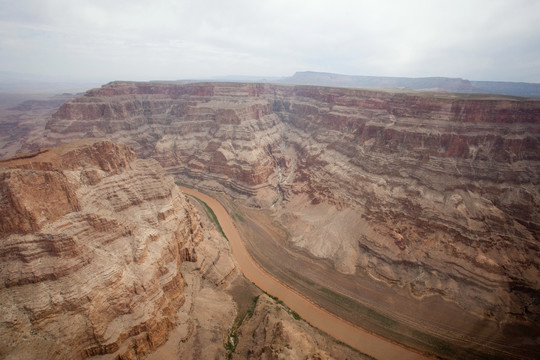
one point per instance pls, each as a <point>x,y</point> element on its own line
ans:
<point>88,265</point>
<point>446,182</point>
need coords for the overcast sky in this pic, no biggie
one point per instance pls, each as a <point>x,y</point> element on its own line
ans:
<point>158,39</point>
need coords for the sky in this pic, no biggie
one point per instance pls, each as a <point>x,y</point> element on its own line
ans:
<point>105,40</point>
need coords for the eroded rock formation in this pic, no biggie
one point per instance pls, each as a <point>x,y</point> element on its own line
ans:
<point>92,241</point>
<point>103,256</point>
<point>435,192</point>
<point>272,332</point>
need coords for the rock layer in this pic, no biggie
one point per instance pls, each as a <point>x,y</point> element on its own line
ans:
<point>434,192</point>
<point>92,240</point>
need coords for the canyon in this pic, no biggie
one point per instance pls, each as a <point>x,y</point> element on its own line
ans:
<point>431,196</point>
<point>104,257</point>
<point>301,306</point>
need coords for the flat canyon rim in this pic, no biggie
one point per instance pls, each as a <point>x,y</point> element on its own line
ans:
<point>340,329</point>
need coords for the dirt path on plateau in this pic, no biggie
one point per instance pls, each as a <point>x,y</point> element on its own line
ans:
<point>340,329</point>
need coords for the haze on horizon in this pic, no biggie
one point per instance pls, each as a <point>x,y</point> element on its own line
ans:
<point>104,40</point>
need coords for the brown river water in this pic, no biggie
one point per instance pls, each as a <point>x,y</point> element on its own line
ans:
<point>331,324</point>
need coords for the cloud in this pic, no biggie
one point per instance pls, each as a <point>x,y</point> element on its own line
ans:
<point>141,40</point>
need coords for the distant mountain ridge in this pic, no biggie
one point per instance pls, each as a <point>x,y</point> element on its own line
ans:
<point>421,84</point>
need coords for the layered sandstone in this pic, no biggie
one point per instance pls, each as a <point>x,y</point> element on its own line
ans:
<point>92,242</point>
<point>423,192</point>
<point>216,124</point>
<point>436,193</point>
<point>102,256</point>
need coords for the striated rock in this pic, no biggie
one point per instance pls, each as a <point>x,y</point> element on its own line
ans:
<point>437,193</point>
<point>218,139</point>
<point>92,242</point>
<point>103,256</point>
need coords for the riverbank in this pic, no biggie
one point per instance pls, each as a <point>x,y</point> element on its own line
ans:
<point>340,329</point>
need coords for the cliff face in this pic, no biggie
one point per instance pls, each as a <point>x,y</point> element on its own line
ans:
<point>226,133</point>
<point>437,193</point>
<point>92,241</point>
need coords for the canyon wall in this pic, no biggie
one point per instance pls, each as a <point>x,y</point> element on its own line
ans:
<point>102,256</point>
<point>224,133</point>
<point>92,242</point>
<point>437,193</point>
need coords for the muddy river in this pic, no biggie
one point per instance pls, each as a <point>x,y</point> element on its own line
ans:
<point>337,327</point>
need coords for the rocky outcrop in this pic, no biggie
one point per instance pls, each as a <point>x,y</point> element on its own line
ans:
<point>209,310</point>
<point>274,332</point>
<point>434,192</point>
<point>92,242</point>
